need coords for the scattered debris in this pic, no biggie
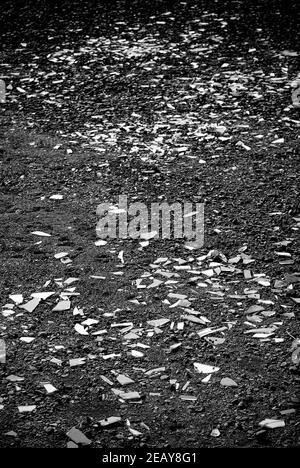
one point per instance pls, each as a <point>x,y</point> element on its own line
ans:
<point>227,382</point>
<point>78,437</point>
<point>110,421</point>
<point>2,352</point>
<point>26,409</point>
<point>272,423</point>
<point>205,369</point>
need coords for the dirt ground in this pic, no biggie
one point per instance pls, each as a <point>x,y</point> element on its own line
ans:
<point>191,101</point>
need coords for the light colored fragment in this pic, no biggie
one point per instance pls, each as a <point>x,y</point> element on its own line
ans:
<point>62,305</point>
<point>263,282</point>
<point>72,445</point>
<point>110,356</point>
<point>100,243</point>
<point>177,296</point>
<point>155,283</point>
<point>157,370</point>
<point>272,423</point>
<point>214,340</point>
<point>204,368</point>
<point>106,380</point>
<point>181,303</point>
<point>17,298</point>
<point>56,361</point>
<point>31,305</point>
<point>266,330</point>
<point>70,280</point>
<point>137,354</point>
<point>2,352</point>
<point>121,256</point>
<point>89,322</point>
<point>80,329</point>
<point>209,331</point>
<point>208,273</point>
<point>77,311</point>
<point>7,313</point>
<point>27,339</point>
<point>158,322</point>
<point>26,409</point>
<point>76,362</point>
<point>227,382</point>
<point>124,380</point>
<point>134,432</point>
<point>121,324</point>
<point>15,378</point>
<point>254,309</point>
<point>41,233</point>
<point>78,437</point>
<point>42,295</point>
<point>109,421</point>
<point>130,336</point>
<point>61,255</point>
<point>49,388</point>
<point>130,395</point>
<point>193,319</point>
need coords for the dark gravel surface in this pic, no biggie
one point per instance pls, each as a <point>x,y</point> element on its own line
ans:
<point>159,101</point>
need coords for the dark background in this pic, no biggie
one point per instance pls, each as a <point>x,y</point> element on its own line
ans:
<point>34,19</point>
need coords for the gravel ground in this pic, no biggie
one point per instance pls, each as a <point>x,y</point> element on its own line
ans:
<point>162,102</point>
